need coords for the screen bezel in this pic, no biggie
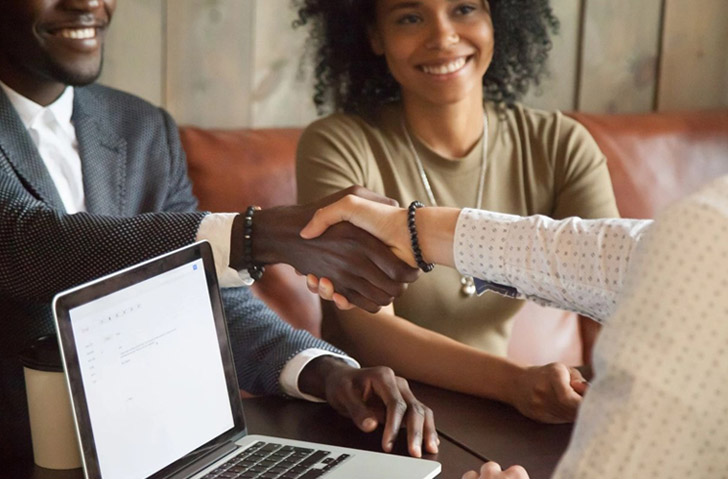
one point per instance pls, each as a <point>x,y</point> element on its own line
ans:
<point>64,302</point>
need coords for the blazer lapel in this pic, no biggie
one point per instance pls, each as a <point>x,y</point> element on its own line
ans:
<point>103,156</point>
<point>23,155</point>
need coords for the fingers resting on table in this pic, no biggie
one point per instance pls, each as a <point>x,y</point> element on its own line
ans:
<point>374,396</point>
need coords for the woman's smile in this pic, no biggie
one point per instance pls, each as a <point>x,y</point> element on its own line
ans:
<point>445,68</point>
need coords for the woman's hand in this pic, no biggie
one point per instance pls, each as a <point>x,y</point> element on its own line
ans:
<point>492,470</point>
<point>387,223</point>
<point>550,393</point>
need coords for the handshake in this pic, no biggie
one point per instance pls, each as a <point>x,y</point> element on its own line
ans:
<point>357,249</point>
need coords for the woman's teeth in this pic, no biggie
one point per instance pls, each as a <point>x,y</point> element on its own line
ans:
<point>446,68</point>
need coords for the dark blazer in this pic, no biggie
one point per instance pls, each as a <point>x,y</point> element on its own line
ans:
<point>140,204</point>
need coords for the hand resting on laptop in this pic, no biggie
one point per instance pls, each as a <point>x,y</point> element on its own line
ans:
<point>372,396</point>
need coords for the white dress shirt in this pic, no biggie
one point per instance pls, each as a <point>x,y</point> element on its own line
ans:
<point>657,407</point>
<point>51,130</point>
<point>53,133</point>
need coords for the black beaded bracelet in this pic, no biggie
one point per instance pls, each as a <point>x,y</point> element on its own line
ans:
<point>254,270</point>
<point>426,267</point>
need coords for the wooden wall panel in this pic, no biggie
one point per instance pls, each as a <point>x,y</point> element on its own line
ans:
<point>694,68</point>
<point>134,51</point>
<point>235,63</point>
<point>283,84</point>
<point>209,62</point>
<point>557,91</point>
<point>619,58</point>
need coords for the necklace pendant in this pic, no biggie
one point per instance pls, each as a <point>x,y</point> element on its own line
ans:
<point>467,287</point>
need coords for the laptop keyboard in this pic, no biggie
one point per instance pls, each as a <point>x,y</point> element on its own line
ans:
<point>264,460</point>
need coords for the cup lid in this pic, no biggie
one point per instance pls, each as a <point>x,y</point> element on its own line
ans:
<point>43,354</point>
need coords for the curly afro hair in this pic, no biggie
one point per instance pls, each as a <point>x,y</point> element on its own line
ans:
<point>351,78</point>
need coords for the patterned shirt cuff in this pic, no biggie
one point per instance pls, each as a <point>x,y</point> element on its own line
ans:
<point>481,241</point>
<point>217,228</point>
<point>292,370</point>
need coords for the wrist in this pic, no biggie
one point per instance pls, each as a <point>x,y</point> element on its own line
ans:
<point>517,376</point>
<point>315,375</point>
<point>241,244</point>
<point>275,235</point>
<point>501,379</point>
<point>236,243</point>
<point>400,240</point>
<point>436,227</point>
<point>414,237</point>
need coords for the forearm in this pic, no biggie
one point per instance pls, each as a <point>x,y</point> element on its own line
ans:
<point>261,342</point>
<point>45,251</point>
<point>423,355</point>
<point>312,380</point>
<point>573,264</point>
<point>436,234</point>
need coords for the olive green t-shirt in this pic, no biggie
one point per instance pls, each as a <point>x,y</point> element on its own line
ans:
<point>537,163</point>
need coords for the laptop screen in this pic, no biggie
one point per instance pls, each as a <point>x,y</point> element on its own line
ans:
<point>149,359</point>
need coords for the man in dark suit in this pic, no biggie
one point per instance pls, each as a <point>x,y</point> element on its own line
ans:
<point>93,180</point>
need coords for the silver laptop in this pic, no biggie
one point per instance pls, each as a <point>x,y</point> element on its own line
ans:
<point>154,389</point>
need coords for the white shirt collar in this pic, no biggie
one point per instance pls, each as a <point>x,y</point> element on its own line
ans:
<point>30,111</point>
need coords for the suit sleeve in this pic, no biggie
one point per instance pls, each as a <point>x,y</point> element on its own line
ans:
<point>44,250</point>
<point>262,344</point>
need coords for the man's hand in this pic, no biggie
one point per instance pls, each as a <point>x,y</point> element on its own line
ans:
<point>385,221</point>
<point>370,397</point>
<point>550,393</point>
<point>361,267</point>
<point>492,470</point>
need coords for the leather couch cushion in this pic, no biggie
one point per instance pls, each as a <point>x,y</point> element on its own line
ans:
<point>655,159</point>
<point>231,169</point>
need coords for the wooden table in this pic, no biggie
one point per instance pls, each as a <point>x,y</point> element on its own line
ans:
<point>495,431</point>
<point>471,429</point>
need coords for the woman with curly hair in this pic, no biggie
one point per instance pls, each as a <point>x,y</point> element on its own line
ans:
<point>424,94</point>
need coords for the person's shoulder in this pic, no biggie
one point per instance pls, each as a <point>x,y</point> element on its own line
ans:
<point>543,120</point>
<point>707,206</point>
<point>554,128</point>
<point>338,123</point>
<point>119,107</point>
<point>343,130</point>
<point>106,96</point>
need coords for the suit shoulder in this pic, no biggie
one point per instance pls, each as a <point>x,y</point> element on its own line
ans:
<point>121,106</point>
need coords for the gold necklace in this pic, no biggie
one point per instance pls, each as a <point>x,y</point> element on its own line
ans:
<point>467,284</point>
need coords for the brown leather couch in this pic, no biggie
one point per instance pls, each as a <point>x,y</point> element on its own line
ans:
<point>654,159</point>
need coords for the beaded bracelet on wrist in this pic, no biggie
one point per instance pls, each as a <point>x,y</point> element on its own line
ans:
<point>426,267</point>
<point>254,270</point>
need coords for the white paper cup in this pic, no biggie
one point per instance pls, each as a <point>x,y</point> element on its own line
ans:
<point>52,429</point>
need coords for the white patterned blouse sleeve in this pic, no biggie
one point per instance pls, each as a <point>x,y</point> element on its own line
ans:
<point>572,264</point>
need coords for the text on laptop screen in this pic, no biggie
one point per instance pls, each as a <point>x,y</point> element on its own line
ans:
<point>152,372</point>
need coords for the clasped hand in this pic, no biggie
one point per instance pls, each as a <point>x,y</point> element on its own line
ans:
<point>364,270</point>
<point>383,219</point>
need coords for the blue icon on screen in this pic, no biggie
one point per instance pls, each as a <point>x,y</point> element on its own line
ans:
<point>194,267</point>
